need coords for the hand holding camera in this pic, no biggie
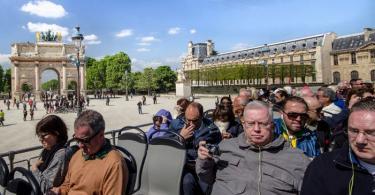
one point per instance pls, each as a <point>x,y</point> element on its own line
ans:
<point>207,151</point>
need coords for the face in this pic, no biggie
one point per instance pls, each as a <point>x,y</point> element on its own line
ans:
<point>294,116</point>
<point>258,127</point>
<point>192,117</point>
<point>322,98</point>
<point>94,142</point>
<point>358,84</point>
<point>314,110</point>
<point>278,98</point>
<point>359,124</point>
<point>48,140</point>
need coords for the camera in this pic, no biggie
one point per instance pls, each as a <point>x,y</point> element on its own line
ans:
<point>213,149</point>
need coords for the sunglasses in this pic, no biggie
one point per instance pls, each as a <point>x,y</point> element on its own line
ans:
<point>295,115</point>
<point>193,121</point>
<point>42,136</point>
<point>85,141</point>
<point>157,118</point>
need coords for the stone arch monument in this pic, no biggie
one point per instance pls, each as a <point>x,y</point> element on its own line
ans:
<point>29,60</point>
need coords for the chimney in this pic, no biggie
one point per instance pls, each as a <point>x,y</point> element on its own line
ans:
<point>367,32</point>
<point>209,48</point>
<point>190,48</point>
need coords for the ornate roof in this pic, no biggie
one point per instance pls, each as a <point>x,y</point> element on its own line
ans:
<point>351,42</point>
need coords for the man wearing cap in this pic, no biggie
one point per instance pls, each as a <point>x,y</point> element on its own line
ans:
<point>291,126</point>
<point>96,168</point>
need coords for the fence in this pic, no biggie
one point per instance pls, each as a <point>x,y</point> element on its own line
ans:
<point>12,154</point>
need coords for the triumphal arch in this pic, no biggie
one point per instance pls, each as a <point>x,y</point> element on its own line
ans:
<point>30,60</point>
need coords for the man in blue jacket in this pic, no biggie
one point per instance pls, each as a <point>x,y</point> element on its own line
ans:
<point>291,126</point>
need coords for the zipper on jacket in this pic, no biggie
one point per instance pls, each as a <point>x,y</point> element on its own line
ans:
<point>259,170</point>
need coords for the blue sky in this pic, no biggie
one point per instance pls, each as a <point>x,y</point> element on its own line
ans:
<point>156,33</point>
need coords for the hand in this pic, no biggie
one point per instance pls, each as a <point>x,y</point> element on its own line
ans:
<point>187,132</point>
<point>35,166</point>
<point>203,153</point>
<point>226,135</point>
<point>353,100</point>
<point>165,119</point>
<point>54,191</point>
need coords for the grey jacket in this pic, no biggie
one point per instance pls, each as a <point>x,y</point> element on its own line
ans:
<point>242,168</point>
<point>55,172</point>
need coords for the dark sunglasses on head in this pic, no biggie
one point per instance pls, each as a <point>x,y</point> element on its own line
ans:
<point>295,115</point>
<point>86,140</point>
<point>157,118</point>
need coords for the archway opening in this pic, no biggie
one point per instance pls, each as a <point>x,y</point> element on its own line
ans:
<point>50,81</point>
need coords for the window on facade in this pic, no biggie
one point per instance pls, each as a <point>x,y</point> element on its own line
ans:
<point>335,60</point>
<point>372,56</point>
<point>273,61</point>
<point>281,60</point>
<point>372,75</point>
<point>336,77</point>
<point>315,44</point>
<point>354,58</point>
<point>291,59</point>
<point>303,45</point>
<point>354,74</point>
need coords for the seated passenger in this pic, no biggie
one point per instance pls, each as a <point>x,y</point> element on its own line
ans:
<point>96,168</point>
<point>179,115</point>
<point>224,120</point>
<point>161,121</point>
<point>50,169</point>
<point>255,162</point>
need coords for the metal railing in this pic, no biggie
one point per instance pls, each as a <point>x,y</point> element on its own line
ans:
<point>12,154</point>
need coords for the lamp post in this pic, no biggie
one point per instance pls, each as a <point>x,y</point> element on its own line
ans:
<point>126,85</point>
<point>77,40</point>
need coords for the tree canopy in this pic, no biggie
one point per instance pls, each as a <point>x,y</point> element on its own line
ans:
<point>51,85</point>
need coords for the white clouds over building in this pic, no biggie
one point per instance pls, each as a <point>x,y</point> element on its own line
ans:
<point>45,9</point>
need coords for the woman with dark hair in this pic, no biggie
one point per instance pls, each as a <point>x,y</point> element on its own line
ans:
<point>226,101</point>
<point>50,169</point>
<point>224,120</point>
<point>179,115</point>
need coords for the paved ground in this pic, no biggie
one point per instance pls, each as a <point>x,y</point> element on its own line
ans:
<point>18,134</point>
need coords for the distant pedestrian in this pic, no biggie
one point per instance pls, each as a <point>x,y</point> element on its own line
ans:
<point>24,115</point>
<point>2,114</point>
<point>154,98</point>
<point>24,105</point>
<point>139,104</point>
<point>87,100</point>
<point>8,104</point>
<point>107,101</point>
<point>34,106</point>
<point>14,102</point>
<point>144,100</point>
<point>31,114</point>
<point>18,104</point>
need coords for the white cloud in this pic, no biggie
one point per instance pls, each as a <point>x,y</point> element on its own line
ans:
<point>240,46</point>
<point>42,27</point>
<point>125,33</point>
<point>192,31</point>
<point>148,39</point>
<point>144,44</point>
<point>174,31</point>
<point>143,49</point>
<point>45,9</point>
<point>4,60</point>
<point>92,40</point>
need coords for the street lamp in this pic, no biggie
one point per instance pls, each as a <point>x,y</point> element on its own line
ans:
<point>77,40</point>
<point>126,85</point>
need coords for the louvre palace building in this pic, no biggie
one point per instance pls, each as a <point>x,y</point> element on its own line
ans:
<point>324,58</point>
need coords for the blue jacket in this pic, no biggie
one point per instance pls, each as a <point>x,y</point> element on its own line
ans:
<point>306,139</point>
<point>163,126</point>
<point>177,124</point>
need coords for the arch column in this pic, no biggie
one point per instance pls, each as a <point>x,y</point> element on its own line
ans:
<point>16,92</point>
<point>64,86</point>
<point>36,70</point>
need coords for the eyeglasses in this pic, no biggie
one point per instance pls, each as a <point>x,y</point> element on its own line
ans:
<point>317,110</point>
<point>295,115</point>
<point>157,118</point>
<point>251,124</point>
<point>85,141</point>
<point>370,134</point>
<point>187,121</point>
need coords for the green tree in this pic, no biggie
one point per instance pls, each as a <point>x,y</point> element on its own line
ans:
<point>1,78</point>
<point>165,78</point>
<point>7,81</point>
<point>51,85</point>
<point>116,67</point>
<point>25,87</point>
<point>146,81</point>
<point>90,62</point>
<point>96,76</point>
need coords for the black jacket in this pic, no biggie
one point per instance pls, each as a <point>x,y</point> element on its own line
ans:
<point>330,174</point>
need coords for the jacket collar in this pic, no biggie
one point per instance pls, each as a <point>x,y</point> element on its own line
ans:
<point>276,143</point>
<point>345,157</point>
<point>102,153</point>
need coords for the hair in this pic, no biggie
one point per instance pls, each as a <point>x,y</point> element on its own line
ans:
<point>197,106</point>
<point>294,99</point>
<point>54,125</point>
<point>225,98</point>
<point>328,92</point>
<point>246,91</point>
<point>92,119</point>
<point>223,111</point>
<point>358,92</point>
<point>256,104</point>
<point>366,104</point>
<point>352,81</point>
<point>283,93</point>
<point>183,103</point>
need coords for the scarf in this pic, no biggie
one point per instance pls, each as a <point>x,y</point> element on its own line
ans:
<point>47,155</point>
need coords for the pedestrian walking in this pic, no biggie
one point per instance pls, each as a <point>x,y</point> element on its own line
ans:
<point>87,100</point>
<point>2,114</point>
<point>18,104</point>
<point>31,114</point>
<point>107,101</point>
<point>8,104</point>
<point>154,98</point>
<point>24,115</point>
<point>144,100</point>
<point>139,104</point>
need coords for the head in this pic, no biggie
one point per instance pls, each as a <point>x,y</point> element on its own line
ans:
<point>314,108</point>
<point>306,92</point>
<point>245,93</point>
<point>294,113</point>
<point>326,96</point>
<point>239,104</point>
<point>226,101</point>
<point>356,83</point>
<point>194,115</point>
<point>51,130</point>
<point>162,116</point>
<point>223,114</point>
<point>280,95</point>
<point>89,131</point>
<point>257,123</point>
<point>361,129</point>
<point>181,106</point>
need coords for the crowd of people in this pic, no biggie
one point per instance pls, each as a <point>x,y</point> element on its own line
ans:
<point>280,141</point>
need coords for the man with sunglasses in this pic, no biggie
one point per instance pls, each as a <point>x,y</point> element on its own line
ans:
<point>96,168</point>
<point>291,126</point>
<point>350,169</point>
